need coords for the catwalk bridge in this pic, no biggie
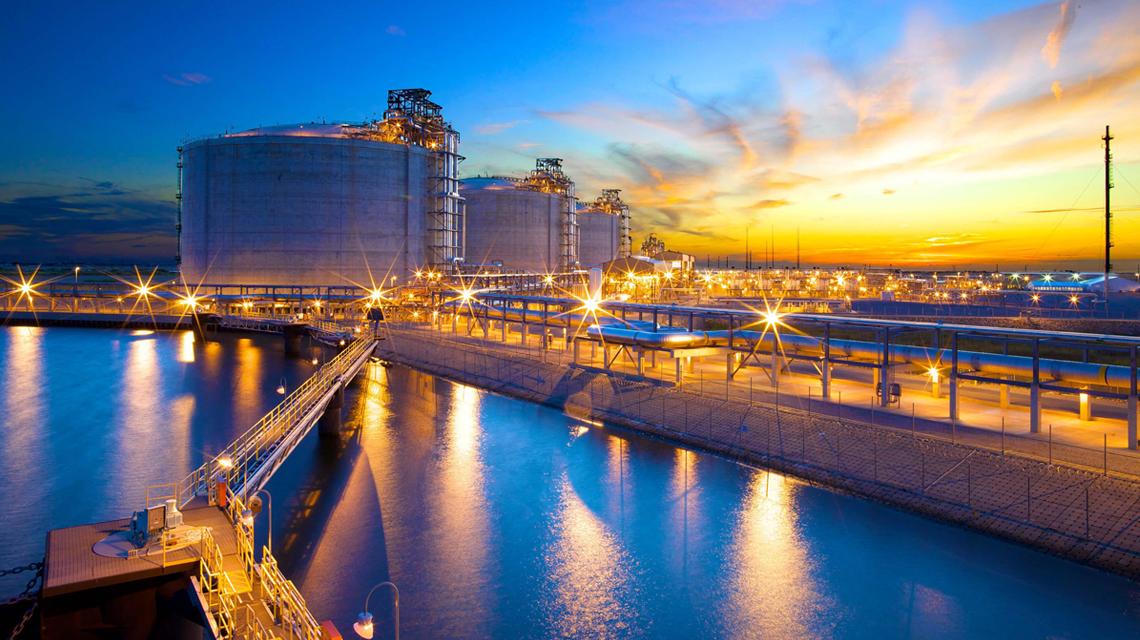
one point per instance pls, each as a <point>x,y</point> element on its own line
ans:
<point>200,530</point>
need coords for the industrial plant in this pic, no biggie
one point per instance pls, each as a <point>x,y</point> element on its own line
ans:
<point>338,204</point>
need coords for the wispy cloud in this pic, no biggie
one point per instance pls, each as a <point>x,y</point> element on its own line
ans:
<point>495,128</point>
<point>395,30</point>
<point>1052,49</point>
<point>769,204</point>
<point>946,108</point>
<point>187,79</point>
<point>90,220</point>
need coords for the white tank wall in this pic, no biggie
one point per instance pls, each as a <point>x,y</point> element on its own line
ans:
<point>303,211</point>
<point>600,236</point>
<point>517,227</point>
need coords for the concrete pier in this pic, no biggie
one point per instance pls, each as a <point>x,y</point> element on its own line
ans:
<point>331,421</point>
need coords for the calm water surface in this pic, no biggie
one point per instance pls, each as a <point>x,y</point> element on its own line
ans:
<point>500,518</point>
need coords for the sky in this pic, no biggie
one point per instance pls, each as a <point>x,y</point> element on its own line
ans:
<point>913,134</point>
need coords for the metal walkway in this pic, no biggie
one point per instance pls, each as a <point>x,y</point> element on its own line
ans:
<point>246,465</point>
<point>240,597</point>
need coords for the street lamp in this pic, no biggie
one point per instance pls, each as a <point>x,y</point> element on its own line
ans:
<point>363,625</point>
<point>254,508</point>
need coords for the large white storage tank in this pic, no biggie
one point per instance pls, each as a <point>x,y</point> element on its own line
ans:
<point>323,204</point>
<point>281,209</point>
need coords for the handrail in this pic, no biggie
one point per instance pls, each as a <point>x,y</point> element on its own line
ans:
<point>241,458</point>
<point>289,605</point>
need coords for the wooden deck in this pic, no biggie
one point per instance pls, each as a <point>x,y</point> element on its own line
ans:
<point>70,565</point>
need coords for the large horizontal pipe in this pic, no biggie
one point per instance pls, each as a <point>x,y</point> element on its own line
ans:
<point>629,333</point>
<point>924,357</point>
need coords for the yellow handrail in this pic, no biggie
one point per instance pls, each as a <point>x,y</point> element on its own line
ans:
<point>267,432</point>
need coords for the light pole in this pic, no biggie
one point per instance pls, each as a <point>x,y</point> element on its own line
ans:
<point>363,624</point>
<point>248,515</point>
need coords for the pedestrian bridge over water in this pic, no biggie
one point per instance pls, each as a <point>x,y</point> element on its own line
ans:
<point>239,595</point>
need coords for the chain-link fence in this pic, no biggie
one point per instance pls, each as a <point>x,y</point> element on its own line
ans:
<point>1078,512</point>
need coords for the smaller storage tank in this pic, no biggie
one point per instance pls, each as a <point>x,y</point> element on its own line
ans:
<point>526,225</point>
<point>603,229</point>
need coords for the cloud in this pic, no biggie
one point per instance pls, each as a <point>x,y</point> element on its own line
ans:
<point>769,204</point>
<point>187,79</point>
<point>1052,49</point>
<point>494,128</point>
<point>94,220</point>
<point>395,30</point>
<point>941,109</point>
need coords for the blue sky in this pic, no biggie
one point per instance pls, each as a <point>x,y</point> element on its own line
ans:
<point>711,116</point>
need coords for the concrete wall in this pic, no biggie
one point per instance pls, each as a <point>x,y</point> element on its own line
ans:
<point>305,211</point>
<point>600,235</point>
<point>517,227</point>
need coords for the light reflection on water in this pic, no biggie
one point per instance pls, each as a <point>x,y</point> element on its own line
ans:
<point>91,417</point>
<point>499,518</point>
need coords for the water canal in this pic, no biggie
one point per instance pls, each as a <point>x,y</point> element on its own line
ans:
<point>501,518</point>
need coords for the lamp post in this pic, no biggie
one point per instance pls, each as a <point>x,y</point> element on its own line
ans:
<point>248,515</point>
<point>363,625</point>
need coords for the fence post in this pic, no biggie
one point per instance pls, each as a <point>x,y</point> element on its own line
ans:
<point>1028,500</point>
<point>1003,436</point>
<point>875,457</point>
<point>1086,511</point>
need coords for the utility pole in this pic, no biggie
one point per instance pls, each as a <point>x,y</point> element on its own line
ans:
<point>1107,211</point>
<point>797,248</point>
<point>747,255</point>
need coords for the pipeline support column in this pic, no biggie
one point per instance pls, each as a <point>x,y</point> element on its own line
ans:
<point>954,376</point>
<point>1035,390</point>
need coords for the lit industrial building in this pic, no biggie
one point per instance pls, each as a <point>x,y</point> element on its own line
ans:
<point>323,204</point>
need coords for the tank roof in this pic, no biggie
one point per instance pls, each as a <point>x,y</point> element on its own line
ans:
<point>490,183</point>
<point>304,130</point>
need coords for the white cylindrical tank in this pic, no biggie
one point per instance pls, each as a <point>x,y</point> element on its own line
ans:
<point>302,205</point>
<point>512,226</point>
<point>599,237</point>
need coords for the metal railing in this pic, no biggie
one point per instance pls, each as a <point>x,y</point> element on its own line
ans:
<point>243,458</point>
<point>287,603</point>
<point>1024,496</point>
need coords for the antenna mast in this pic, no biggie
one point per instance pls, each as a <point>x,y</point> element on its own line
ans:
<point>1107,211</point>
